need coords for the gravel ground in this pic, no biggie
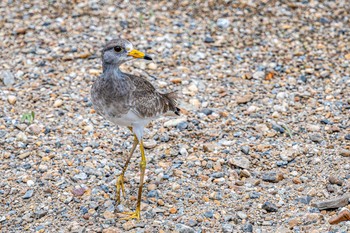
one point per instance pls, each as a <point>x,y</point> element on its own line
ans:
<point>263,137</point>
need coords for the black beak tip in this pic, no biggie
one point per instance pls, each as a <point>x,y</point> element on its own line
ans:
<point>147,57</point>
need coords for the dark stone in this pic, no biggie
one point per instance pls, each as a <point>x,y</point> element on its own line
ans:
<point>208,39</point>
<point>305,200</point>
<point>303,78</point>
<point>207,111</point>
<point>247,227</point>
<point>269,207</point>
<point>254,195</point>
<point>153,193</point>
<point>28,194</point>
<point>217,175</point>
<point>84,210</point>
<point>278,128</point>
<point>325,121</point>
<point>209,214</point>
<point>347,137</point>
<point>245,149</point>
<point>182,126</point>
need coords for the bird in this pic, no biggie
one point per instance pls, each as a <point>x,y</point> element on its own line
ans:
<point>129,101</point>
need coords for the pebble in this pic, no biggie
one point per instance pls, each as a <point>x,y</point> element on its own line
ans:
<point>316,138</point>
<point>78,191</point>
<point>28,194</point>
<point>150,144</point>
<point>223,23</point>
<point>129,225</point>
<point>247,227</point>
<point>12,99</point>
<point>245,149</point>
<point>7,78</point>
<point>24,155</point>
<point>344,152</point>
<point>152,66</point>
<point>174,122</point>
<point>269,207</point>
<point>335,180</point>
<point>181,228</point>
<point>35,129</point>
<point>259,75</point>
<point>241,162</point>
<point>227,228</point>
<point>58,103</point>
<point>244,99</point>
<point>347,137</point>
<point>272,177</point>
<point>81,176</point>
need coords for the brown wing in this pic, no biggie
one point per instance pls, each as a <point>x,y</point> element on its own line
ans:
<point>148,102</point>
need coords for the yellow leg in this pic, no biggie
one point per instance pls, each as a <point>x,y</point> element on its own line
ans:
<point>136,214</point>
<point>120,180</point>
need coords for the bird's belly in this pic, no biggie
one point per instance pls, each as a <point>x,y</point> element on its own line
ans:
<point>130,119</point>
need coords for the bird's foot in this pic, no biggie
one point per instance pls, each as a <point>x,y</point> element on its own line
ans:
<point>132,215</point>
<point>120,188</point>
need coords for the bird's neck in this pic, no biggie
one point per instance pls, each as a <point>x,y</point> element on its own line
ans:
<point>111,70</point>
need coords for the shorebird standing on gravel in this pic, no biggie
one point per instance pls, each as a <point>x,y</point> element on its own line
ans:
<point>128,100</point>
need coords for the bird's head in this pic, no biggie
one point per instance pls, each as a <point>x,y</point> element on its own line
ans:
<point>118,51</point>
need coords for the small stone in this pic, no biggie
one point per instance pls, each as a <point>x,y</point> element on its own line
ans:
<point>208,39</point>
<point>278,128</point>
<point>24,155</point>
<point>173,210</point>
<point>174,122</point>
<point>269,207</point>
<point>112,230</point>
<point>347,137</point>
<point>193,57</point>
<point>7,78</point>
<point>108,215</point>
<point>12,99</point>
<point>272,177</point>
<point>129,225</point>
<point>22,137</point>
<point>345,153</point>
<point>182,228</point>
<point>78,191</point>
<point>305,200</point>
<point>89,128</point>
<point>152,66</point>
<point>227,228</point>
<point>245,173</point>
<point>248,227</point>
<point>35,129</point>
<point>335,180</point>
<point>43,168</point>
<point>28,194</point>
<point>58,103</point>
<point>241,162</point>
<point>316,138</point>
<point>209,214</point>
<point>30,183</point>
<point>151,187</point>
<point>260,75</point>
<point>244,99</point>
<point>223,23</point>
<point>242,215</point>
<point>245,149</point>
<point>81,176</point>
<point>150,144</point>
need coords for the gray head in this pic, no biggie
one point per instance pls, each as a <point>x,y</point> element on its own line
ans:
<point>118,51</point>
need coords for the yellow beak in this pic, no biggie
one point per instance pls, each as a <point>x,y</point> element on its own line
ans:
<point>136,54</point>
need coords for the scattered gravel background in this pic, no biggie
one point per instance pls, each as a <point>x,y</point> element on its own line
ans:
<point>264,132</point>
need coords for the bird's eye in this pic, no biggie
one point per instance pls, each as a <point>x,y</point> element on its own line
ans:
<point>118,49</point>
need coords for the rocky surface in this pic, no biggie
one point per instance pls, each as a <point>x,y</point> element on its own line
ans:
<point>264,132</point>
